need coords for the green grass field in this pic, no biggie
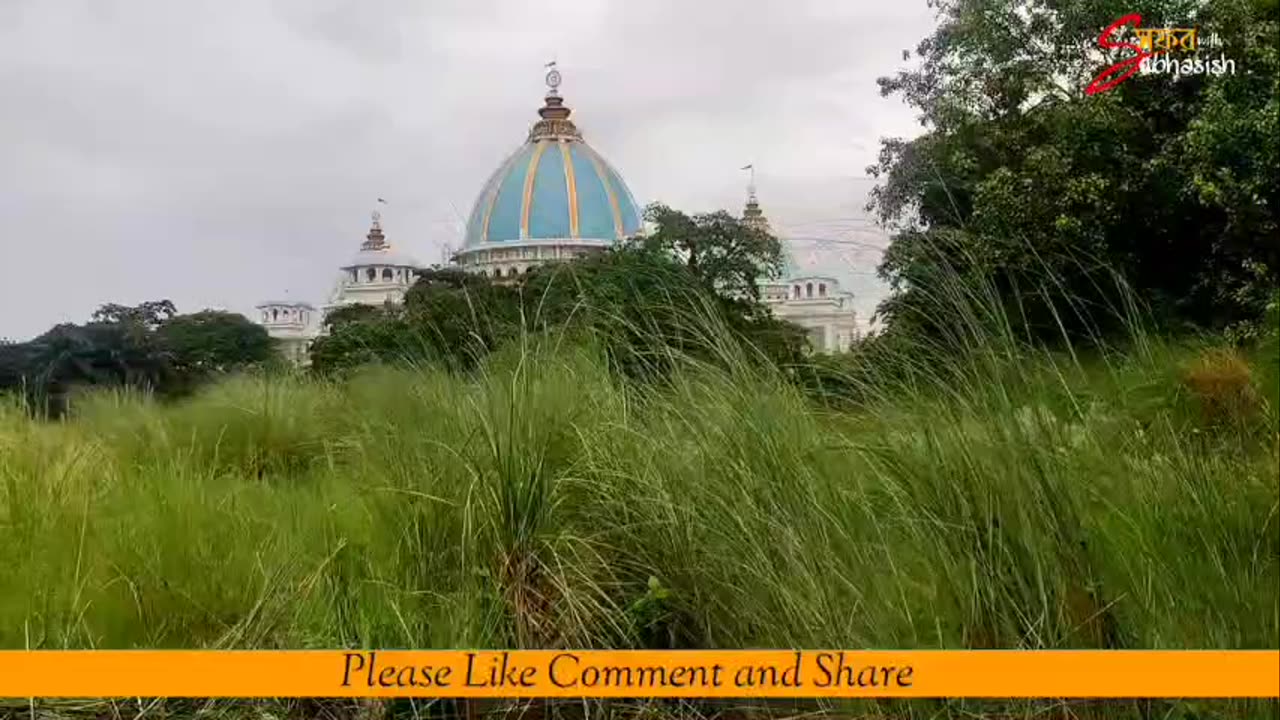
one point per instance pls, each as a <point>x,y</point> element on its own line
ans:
<point>1013,499</point>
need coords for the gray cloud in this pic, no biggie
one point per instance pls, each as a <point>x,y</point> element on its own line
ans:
<point>222,152</point>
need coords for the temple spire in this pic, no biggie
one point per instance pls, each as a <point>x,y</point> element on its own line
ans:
<point>555,122</point>
<point>752,215</point>
<point>375,240</point>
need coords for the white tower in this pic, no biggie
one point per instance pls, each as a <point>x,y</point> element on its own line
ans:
<point>292,325</point>
<point>376,275</point>
<point>812,300</point>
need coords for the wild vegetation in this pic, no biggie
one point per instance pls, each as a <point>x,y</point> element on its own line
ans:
<point>1067,437</point>
<point>1006,496</point>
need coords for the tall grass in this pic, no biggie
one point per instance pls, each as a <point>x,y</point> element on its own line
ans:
<point>1003,497</point>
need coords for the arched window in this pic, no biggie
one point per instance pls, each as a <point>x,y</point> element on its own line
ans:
<point>497,272</point>
<point>822,289</point>
<point>275,314</point>
<point>795,291</point>
<point>808,290</point>
<point>386,274</point>
<point>370,274</point>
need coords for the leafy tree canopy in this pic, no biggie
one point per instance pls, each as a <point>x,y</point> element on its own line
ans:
<point>149,314</point>
<point>640,302</point>
<point>352,313</point>
<point>148,347</point>
<point>448,317</point>
<point>1023,180</point>
<point>213,341</point>
<point>725,254</point>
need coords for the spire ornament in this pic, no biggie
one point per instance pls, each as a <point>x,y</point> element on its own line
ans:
<point>375,240</point>
<point>752,215</point>
<point>553,78</point>
<point>555,123</point>
<point>751,184</point>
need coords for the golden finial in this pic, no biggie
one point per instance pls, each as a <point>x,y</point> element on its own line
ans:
<point>555,123</point>
<point>752,215</point>
<point>375,240</point>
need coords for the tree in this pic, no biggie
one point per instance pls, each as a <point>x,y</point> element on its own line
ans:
<point>146,347</point>
<point>646,306</point>
<point>14,365</point>
<point>1024,182</point>
<point>149,314</point>
<point>213,342</point>
<point>350,313</point>
<point>645,301</point>
<point>460,317</point>
<point>448,317</point>
<point>726,254</point>
<point>364,339</point>
<point>98,353</point>
<point>641,305</point>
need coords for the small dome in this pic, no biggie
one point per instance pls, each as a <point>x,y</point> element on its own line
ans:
<point>386,257</point>
<point>554,187</point>
<point>806,265</point>
<point>285,304</point>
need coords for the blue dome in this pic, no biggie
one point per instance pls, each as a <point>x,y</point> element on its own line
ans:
<point>554,187</point>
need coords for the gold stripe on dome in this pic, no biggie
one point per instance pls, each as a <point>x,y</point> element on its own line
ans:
<point>493,191</point>
<point>571,184</point>
<point>608,190</point>
<point>529,176</point>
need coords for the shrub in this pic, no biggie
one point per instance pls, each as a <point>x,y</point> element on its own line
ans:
<point>1221,382</point>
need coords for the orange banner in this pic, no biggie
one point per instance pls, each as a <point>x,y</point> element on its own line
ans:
<point>727,673</point>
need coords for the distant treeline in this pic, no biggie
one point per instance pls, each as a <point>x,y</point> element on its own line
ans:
<point>148,347</point>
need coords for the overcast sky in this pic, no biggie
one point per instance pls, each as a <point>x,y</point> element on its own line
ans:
<point>222,152</point>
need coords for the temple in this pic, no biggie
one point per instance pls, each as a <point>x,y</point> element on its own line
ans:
<point>553,199</point>
<point>377,274</point>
